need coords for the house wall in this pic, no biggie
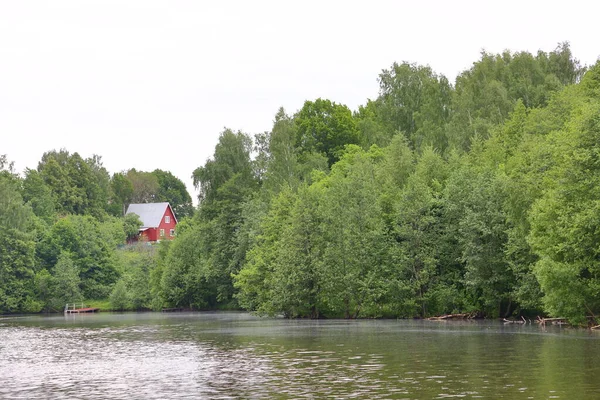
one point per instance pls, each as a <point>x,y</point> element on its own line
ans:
<point>166,226</point>
<point>150,234</point>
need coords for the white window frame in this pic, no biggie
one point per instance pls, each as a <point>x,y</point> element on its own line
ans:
<point>167,219</point>
<point>172,232</point>
<point>161,233</point>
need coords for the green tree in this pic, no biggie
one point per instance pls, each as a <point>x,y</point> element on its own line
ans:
<point>475,207</point>
<point>354,269</point>
<point>282,166</point>
<point>415,101</point>
<point>172,190</point>
<point>144,184</point>
<point>17,248</point>
<point>121,193</point>
<point>67,282</point>
<point>226,182</point>
<point>91,246</point>
<point>428,285</point>
<point>486,93</point>
<point>564,221</point>
<point>38,195</point>
<point>188,279</point>
<point>293,286</point>
<point>325,127</point>
<point>371,126</point>
<point>78,186</point>
<point>119,297</point>
<point>138,264</point>
<point>255,279</point>
<point>131,225</point>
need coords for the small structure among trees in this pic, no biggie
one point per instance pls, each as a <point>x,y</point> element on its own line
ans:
<point>158,221</point>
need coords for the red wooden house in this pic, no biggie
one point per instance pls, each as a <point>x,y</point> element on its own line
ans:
<point>158,221</point>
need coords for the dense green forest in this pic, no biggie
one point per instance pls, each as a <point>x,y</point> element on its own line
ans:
<point>479,196</point>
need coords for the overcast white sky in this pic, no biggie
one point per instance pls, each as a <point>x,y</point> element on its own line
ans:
<point>151,84</point>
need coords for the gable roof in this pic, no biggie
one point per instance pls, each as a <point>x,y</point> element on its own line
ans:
<point>150,213</point>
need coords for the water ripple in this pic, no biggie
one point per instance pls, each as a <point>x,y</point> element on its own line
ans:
<point>203,356</point>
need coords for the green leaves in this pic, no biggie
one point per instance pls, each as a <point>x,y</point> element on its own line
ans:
<point>415,101</point>
<point>565,222</point>
<point>325,127</point>
<point>17,249</point>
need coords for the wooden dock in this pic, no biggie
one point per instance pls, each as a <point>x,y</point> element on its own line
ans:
<point>79,308</point>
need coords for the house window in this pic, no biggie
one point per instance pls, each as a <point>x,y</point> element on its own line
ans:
<point>172,232</point>
<point>167,219</point>
<point>162,232</point>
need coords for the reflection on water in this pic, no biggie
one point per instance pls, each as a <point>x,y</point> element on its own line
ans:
<point>235,355</point>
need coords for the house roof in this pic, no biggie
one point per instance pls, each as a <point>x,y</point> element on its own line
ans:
<point>150,213</point>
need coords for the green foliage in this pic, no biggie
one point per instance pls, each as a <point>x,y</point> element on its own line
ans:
<point>144,187</point>
<point>78,186</point>
<point>122,193</point>
<point>282,160</point>
<point>354,267</point>
<point>198,266</point>
<point>415,101</point>
<point>475,204</point>
<point>255,280</point>
<point>325,128</point>
<point>119,297</point>
<point>66,282</point>
<point>90,244</point>
<point>38,195</point>
<point>418,233</point>
<point>565,222</point>
<point>17,249</point>
<point>131,225</point>
<point>231,157</point>
<point>172,190</point>
<point>187,277</point>
<point>371,128</point>
<point>16,272</point>
<point>138,263</point>
<point>486,93</point>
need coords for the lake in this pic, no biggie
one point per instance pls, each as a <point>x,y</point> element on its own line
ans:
<point>237,355</point>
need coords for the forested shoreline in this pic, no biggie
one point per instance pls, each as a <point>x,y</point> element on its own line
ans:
<point>479,196</point>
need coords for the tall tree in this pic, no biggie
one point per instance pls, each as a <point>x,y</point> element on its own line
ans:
<point>173,190</point>
<point>415,101</point>
<point>325,127</point>
<point>78,186</point>
<point>38,195</point>
<point>145,186</point>
<point>486,93</point>
<point>354,270</point>
<point>231,157</point>
<point>91,246</point>
<point>564,221</point>
<point>282,167</point>
<point>226,182</point>
<point>121,192</point>
<point>17,248</point>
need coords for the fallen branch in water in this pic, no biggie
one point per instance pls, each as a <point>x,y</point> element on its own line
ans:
<point>515,321</point>
<point>553,321</point>
<point>452,316</point>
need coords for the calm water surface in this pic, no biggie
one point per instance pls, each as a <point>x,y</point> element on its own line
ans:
<point>236,355</point>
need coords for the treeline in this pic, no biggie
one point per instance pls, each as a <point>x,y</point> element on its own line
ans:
<point>478,196</point>
<point>433,198</point>
<point>62,225</point>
